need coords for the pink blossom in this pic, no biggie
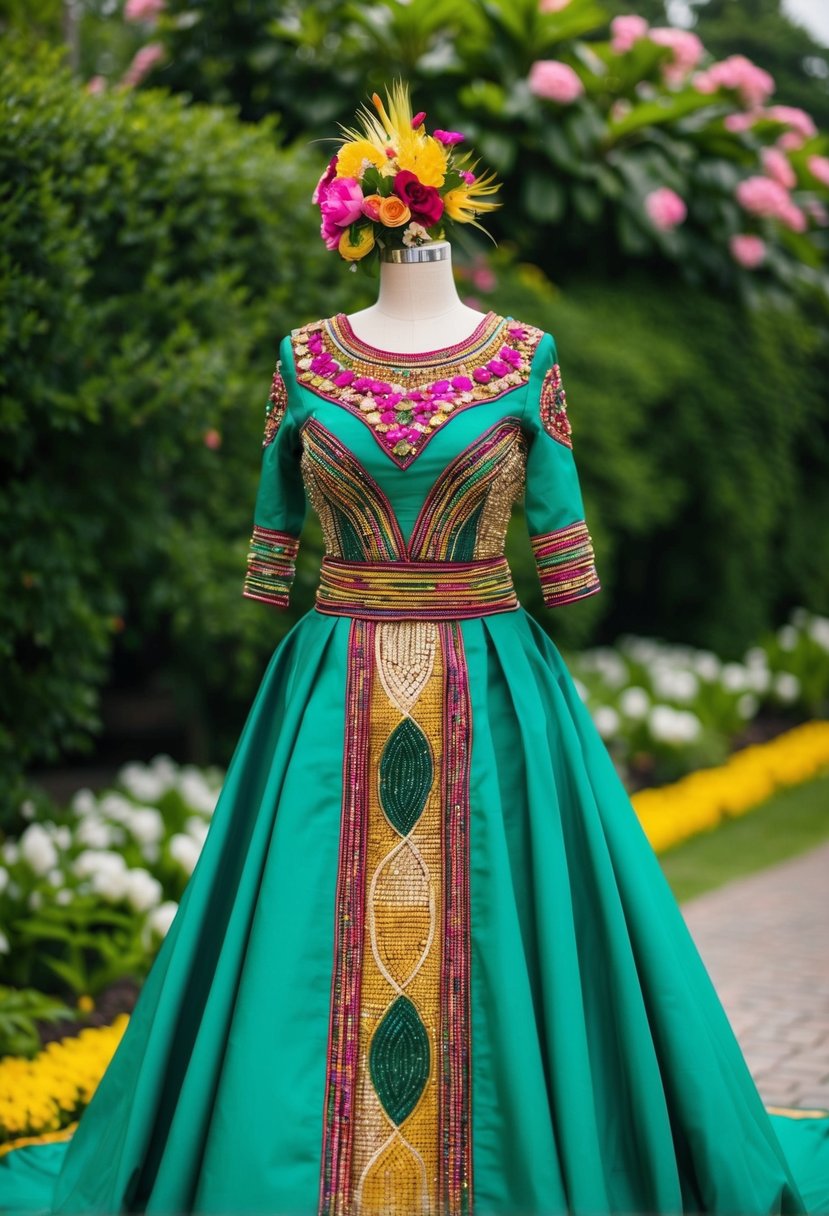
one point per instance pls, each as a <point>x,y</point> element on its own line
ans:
<point>748,250</point>
<point>143,10</point>
<point>802,126</point>
<point>448,137</point>
<point>742,120</point>
<point>762,196</point>
<point>686,48</point>
<point>468,177</point>
<point>792,217</point>
<point>96,84</point>
<point>555,81</point>
<point>753,84</point>
<point>418,119</point>
<point>552,6</point>
<point>143,61</point>
<point>816,210</point>
<point>326,178</point>
<point>625,30</point>
<point>777,166</point>
<point>818,166</point>
<point>483,277</point>
<point>342,202</point>
<point>665,208</point>
<point>212,439</point>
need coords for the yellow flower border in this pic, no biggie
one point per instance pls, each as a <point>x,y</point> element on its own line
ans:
<point>701,801</point>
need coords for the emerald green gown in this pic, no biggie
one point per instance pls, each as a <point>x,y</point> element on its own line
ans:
<point>427,961</point>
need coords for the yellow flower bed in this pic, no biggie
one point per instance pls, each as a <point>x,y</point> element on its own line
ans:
<point>700,801</point>
<point>45,1094</point>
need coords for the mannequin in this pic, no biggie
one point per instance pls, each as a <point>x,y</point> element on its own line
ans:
<point>418,307</point>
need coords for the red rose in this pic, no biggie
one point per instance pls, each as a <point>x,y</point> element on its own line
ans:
<point>424,202</point>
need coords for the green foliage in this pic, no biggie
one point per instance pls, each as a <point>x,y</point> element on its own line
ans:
<point>157,252</point>
<point>20,1011</point>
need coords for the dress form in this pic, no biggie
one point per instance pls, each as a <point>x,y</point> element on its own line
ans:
<point>418,308</point>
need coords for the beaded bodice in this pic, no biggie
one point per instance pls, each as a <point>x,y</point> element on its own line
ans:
<point>420,458</point>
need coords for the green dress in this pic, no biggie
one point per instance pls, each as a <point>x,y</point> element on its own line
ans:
<point>427,961</point>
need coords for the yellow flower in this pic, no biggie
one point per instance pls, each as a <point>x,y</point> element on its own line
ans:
<point>464,202</point>
<point>394,212</point>
<point>424,156</point>
<point>351,156</point>
<point>353,251</point>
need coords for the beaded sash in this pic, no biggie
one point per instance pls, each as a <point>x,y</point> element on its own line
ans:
<point>424,590</point>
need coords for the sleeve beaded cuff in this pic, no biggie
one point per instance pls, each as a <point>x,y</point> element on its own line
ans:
<point>271,566</point>
<point>566,564</point>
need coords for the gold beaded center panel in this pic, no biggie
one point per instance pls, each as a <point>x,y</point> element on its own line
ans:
<point>397,1135</point>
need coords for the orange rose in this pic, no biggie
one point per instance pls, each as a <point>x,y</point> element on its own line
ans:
<point>371,206</point>
<point>394,212</point>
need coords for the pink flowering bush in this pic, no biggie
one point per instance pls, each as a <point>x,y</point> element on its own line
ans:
<point>625,31</point>
<point>143,10</point>
<point>142,64</point>
<point>555,81</point>
<point>747,250</point>
<point>686,49</point>
<point>665,208</point>
<point>738,74</point>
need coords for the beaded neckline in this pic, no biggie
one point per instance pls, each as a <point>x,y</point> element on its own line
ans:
<point>341,326</point>
<point>405,399</point>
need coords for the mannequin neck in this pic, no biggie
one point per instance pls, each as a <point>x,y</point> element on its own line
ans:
<point>418,307</point>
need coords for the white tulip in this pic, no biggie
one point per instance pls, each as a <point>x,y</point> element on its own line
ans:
<point>818,630</point>
<point>55,878</point>
<point>634,702</point>
<point>63,897</point>
<point>116,807</point>
<point>62,836</point>
<point>787,636</point>
<point>37,849</point>
<point>97,861</point>
<point>707,665</point>
<point>142,782</point>
<point>734,677</point>
<point>747,705</point>
<point>580,689</point>
<point>195,791</point>
<point>675,683</point>
<point>95,834</point>
<point>146,825</point>
<point>606,721</point>
<point>197,829</point>
<point>787,686</point>
<point>84,803</point>
<point>669,725</point>
<point>142,890</point>
<point>161,918</point>
<point>184,851</point>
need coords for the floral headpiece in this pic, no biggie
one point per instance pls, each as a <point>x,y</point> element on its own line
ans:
<point>391,184</point>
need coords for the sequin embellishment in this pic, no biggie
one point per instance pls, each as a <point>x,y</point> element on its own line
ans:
<point>405,399</point>
<point>566,564</point>
<point>276,406</point>
<point>553,407</point>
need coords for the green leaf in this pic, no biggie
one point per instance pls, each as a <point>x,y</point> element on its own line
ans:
<point>544,198</point>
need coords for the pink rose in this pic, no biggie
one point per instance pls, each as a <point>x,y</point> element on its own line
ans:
<point>762,196</point>
<point>802,126</point>
<point>552,6</point>
<point>424,202</point>
<point>739,74</point>
<point>665,208</point>
<point>792,217</point>
<point>686,48</point>
<point>448,137</point>
<point>342,202</point>
<point>777,166</point>
<point>818,166</point>
<point>555,81</point>
<point>143,10</point>
<point>328,175</point>
<point>749,251</point>
<point>143,61</point>
<point>625,30</point>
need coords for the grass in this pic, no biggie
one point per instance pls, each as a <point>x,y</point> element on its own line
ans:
<point>791,822</point>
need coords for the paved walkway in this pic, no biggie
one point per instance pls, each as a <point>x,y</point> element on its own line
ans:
<point>765,942</point>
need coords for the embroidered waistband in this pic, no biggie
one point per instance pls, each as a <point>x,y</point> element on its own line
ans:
<point>429,590</point>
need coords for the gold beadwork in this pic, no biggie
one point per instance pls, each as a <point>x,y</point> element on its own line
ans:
<point>277,404</point>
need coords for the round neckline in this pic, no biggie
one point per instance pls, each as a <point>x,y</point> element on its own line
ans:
<point>350,340</point>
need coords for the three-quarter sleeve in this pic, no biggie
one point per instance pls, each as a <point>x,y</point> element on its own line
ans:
<point>280,508</point>
<point>561,543</point>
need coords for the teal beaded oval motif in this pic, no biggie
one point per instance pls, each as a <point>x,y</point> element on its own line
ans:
<point>406,775</point>
<point>399,1060</point>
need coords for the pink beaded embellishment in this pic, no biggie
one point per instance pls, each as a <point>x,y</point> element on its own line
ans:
<point>553,407</point>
